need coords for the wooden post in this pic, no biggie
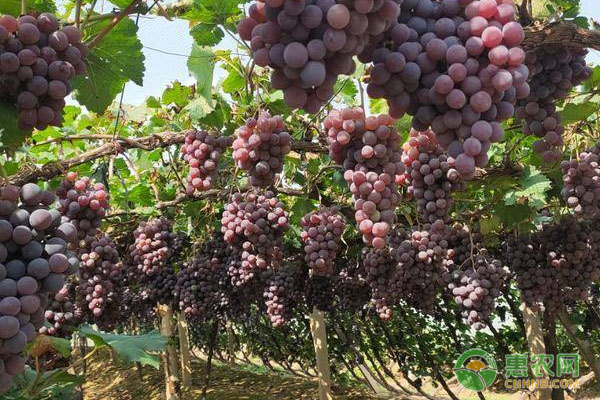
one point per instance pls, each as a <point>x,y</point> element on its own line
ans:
<point>535,341</point>
<point>184,351</point>
<point>170,362</point>
<point>230,343</point>
<point>317,329</point>
<point>584,346</point>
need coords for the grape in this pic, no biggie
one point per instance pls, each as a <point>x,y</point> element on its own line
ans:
<point>259,148</point>
<point>36,65</point>
<point>27,242</point>
<point>536,107</point>
<point>283,289</point>
<point>581,178</point>
<point>153,245</point>
<point>430,177</point>
<point>286,35</point>
<point>458,59</point>
<point>369,150</point>
<point>84,204</point>
<point>202,152</point>
<point>322,232</point>
<point>253,226</point>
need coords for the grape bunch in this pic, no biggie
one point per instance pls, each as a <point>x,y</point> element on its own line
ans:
<point>554,70</point>
<point>474,278</point>
<point>430,176</point>
<point>253,225</point>
<point>322,234</point>
<point>370,152</point>
<point>200,286</point>
<point>202,152</point>
<point>581,179</point>
<point>319,292</point>
<point>309,43</point>
<point>37,61</point>
<point>152,247</point>
<point>556,265</point>
<point>84,204</point>
<point>283,290</point>
<point>260,146</point>
<point>33,262</point>
<point>100,273</point>
<point>352,292</point>
<point>457,67</point>
<point>382,274</point>
<point>60,312</point>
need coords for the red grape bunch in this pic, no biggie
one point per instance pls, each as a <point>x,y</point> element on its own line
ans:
<point>100,273</point>
<point>259,148</point>
<point>581,179</point>
<point>370,152</point>
<point>430,176</point>
<point>309,43</point>
<point>34,261</point>
<point>60,312</point>
<point>322,234</point>
<point>202,152</point>
<point>383,275</point>
<point>474,278</point>
<point>283,290</point>
<point>352,292</point>
<point>456,66</point>
<point>554,70</point>
<point>37,62</point>
<point>200,287</point>
<point>152,247</point>
<point>556,265</point>
<point>253,226</point>
<point>319,292</point>
<point>84,204</point>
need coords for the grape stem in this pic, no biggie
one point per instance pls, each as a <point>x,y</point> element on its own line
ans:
<point>23,7</point>
<point>78,13</point>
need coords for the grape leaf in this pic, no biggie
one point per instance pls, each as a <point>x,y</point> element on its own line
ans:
<point>133,348</point>
<point>531,189</point>
<point>13,7</point>
<point>178,94</point>
<point>578,112</point>
<point>117,59</point>
<point>207,34</point>
<point>201,65</point>
<point>10,134</point>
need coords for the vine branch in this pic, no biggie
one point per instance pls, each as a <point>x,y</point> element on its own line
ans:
<point>128,10</point>
<point>561,32</point>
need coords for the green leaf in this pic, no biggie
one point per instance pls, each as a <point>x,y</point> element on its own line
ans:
<point>201,64</point>
<point>301,207</point>
<point>234,81</point>
<point>116,60</point>
<point>178,94</point>
<point>62,345</point>
<point>378,106</point>
<point>152,102</point>
<point>207,34</point>
<point>13,7</point>
<point>120,3</point>
<point>134,348</point>
<point>532,189</point>
<point>198,109</point>
<point>578,112</point>
<point>347,91</point>
<point>10,134</point>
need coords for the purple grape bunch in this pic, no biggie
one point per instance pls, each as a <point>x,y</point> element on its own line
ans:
<point>97,292</point>
<point>284,289</point>
<point>322,234</point>
<point>430,176</point>
<point>554,70</point>
<point>152,247</point>
<point>581,180</point>
<point>474,278</point>
<point>84,204</point>
<point>37,61</point>
<point>34,260</point>
<point>309,43</point>
<point>370,152</point>
<point>60,312</point>
<point>253,225</point>
<point>202,152</point>
<point>260,147</point>
<point>457,68</point>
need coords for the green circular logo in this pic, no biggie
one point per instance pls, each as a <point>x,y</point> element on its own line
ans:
<point>475,369</point>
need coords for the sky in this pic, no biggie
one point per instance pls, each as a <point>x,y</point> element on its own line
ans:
<point>167,44</point>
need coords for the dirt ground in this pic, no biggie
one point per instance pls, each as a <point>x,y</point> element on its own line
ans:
<point>107,380</point>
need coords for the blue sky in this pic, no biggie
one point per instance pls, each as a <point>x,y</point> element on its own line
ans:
<point>160,36</point>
